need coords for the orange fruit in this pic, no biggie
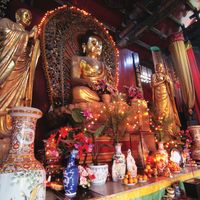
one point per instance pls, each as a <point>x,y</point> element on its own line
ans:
<point>145,177</point>
<point>129,176</point>
<point>130,180</point>
<point>148,167</point>
<point>125,181</point>
<point>135,180</point>
<point>129,173</point>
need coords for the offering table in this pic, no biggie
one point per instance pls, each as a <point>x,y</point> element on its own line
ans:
<point>154,188</point>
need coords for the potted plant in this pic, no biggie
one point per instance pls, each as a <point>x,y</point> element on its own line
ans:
<point>116,118</point>
<point>100,169</point>
<point>77,143</point>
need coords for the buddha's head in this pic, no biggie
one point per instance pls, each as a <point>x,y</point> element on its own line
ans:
<point>92,45</point>
<point>23,16</point>
<point>160,68</point>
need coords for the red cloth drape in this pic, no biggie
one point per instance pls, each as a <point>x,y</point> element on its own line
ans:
<point>126,69</point>
<point>196,79</point>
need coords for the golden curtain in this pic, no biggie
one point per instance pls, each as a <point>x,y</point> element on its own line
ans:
<point>181,65</point>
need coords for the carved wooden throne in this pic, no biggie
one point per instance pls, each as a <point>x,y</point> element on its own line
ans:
<point>60,32</point>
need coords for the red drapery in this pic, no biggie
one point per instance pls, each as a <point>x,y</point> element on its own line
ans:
<point>196,79</point>
<point>126,69</point>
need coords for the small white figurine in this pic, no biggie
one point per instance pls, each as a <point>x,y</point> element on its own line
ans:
<point>131,166</point>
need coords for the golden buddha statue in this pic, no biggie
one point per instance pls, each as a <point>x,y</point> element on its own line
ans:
<point>19,53</point>
<point>163,98</point>
<point>86,70</point>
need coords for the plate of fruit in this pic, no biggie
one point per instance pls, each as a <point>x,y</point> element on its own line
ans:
<point>142,178</point>
<point>130,184</point>
<point>129,179</point>
<point>177,172</point>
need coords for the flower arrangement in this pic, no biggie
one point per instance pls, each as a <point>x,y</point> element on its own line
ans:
<point>72,138</point>
<point>133,92</point>
<point>86,120</point>
<point>86,176</point>
<point>117,116</point>
<point>102,87</point>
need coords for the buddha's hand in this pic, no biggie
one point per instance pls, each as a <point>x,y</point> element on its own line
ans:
<point>34,33</point>
<point>167,78</point>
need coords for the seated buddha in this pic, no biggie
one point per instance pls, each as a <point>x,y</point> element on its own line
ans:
<point>88,69</point>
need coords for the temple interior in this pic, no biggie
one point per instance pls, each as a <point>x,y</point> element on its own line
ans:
<point>99,99</point>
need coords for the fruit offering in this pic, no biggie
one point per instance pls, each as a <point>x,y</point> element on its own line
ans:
<point>142,178</point>
<point>149,171</point>
<point>128,179</point>
<point>174,167</point>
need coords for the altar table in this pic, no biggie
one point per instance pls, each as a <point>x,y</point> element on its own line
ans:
<point>153,189</point>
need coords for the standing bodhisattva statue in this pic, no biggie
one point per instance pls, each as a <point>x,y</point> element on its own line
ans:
<point>19,53</point>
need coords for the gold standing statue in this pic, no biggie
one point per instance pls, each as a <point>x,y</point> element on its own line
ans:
<point>19,53</point>
<point>86,70</point>
<point>163,98</point>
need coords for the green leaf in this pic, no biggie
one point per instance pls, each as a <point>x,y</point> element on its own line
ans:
<point>123,131</point>
<point>77,115</point>
<point>100,130</point>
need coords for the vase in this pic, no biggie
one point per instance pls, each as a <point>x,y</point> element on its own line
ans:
<point>100,173</point>
<point>163,153</point>
<point>195,132</point>
<point>106,98</point>
<point>71,176</point>
<point>119,164</point>
<point>161,157</point>
<point>22,176</point>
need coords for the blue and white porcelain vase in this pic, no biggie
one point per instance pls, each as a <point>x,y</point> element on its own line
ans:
<point>71,176</point>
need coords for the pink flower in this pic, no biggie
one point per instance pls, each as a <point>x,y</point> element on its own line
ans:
<point>84,173</point>
<point>89,171</point>
<point>87,114</point>
<point>80,169</point>
<point>134,92</point>
<point>83,181</point>
<point>103,87</point>
<point>86,176</point>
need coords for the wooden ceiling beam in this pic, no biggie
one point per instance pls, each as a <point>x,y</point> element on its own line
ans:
<point>174,19</point>
<point>189,5</point>
<point>158,32</point>
<point>142,44</point>
<point>133,35</point>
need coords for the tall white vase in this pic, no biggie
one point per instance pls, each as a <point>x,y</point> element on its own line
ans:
<point>119,163</point>
<point>22,176</point>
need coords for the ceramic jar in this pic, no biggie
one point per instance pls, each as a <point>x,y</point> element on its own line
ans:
<point>22,176</point>
<point>100,173</point>
<point>119,164</point>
